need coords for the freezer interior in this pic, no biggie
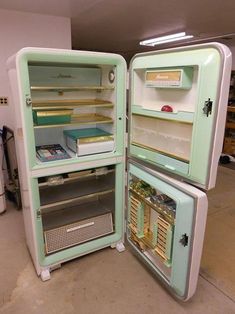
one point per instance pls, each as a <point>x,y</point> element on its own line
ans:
<point>73,107</point>
<point>163,91</point>
<point>77,207</point>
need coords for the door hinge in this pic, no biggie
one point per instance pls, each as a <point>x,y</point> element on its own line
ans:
<point>184,240</point>
<point>207,109</point>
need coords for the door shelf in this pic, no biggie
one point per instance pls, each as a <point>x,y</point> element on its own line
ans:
<point>179,116</point>
<point>80,119</point>
<point>61,89</point>
<point>168,137</point>
<point>157,207</point>
<point>70,104</point>
<point>165,153</point>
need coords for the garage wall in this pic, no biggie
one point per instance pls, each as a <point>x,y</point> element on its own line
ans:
<point>18,30</point>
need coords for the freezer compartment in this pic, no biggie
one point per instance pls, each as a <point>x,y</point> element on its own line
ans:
<point>167,137</point>
<point>77,207</point>
<point>157,87</point>
<point>180,77</point>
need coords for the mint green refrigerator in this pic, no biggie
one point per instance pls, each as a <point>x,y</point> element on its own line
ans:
<point>70,112</point>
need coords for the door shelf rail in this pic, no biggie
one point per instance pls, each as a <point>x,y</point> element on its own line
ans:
<point>178,117</point>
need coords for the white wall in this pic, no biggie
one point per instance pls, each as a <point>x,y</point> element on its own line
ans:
<point>18,30</point>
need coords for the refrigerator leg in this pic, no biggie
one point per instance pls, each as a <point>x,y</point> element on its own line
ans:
<point>45,274</point>
<point>120,247</point>
<point>54,267</point>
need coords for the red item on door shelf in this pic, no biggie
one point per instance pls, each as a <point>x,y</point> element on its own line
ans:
<point>167,108</point>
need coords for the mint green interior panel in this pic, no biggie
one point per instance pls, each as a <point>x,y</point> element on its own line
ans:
<point>183,224</point>
<point>32,59</point>
<point>87,247</point>
<point>206,63</point>
<point>182,116</point>
<point>75,76</point>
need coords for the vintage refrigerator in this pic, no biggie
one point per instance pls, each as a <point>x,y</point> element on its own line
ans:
<point>70,112</point>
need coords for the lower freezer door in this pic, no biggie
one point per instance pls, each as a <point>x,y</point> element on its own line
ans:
<point>166,224</point>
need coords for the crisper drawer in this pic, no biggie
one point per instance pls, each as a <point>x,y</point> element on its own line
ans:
<point>77,232</point>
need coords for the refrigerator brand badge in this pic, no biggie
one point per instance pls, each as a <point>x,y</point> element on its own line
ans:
<point>64,76</point>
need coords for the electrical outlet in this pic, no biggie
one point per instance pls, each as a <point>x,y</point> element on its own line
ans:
<point>3,101</point>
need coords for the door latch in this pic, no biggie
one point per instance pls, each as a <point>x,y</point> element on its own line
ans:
<point>184,240</point>
<point>38,213</point>
<point>207,109</point>
<point>28,101</point>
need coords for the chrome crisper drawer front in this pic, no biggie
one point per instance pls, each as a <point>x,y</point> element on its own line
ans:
<point>78,232</point>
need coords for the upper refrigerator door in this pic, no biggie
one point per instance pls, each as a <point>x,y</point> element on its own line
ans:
<point>178,105</point>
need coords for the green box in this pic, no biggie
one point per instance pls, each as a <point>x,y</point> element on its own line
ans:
<point>47,117</point>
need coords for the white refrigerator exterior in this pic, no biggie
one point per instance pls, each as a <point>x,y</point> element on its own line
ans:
<point>177,111</point>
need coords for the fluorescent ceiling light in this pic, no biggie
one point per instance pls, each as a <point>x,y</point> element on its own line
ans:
<point>165,39</point>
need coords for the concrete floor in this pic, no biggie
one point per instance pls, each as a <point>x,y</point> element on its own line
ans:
<point>111,282</point>
<point>218,258</point>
